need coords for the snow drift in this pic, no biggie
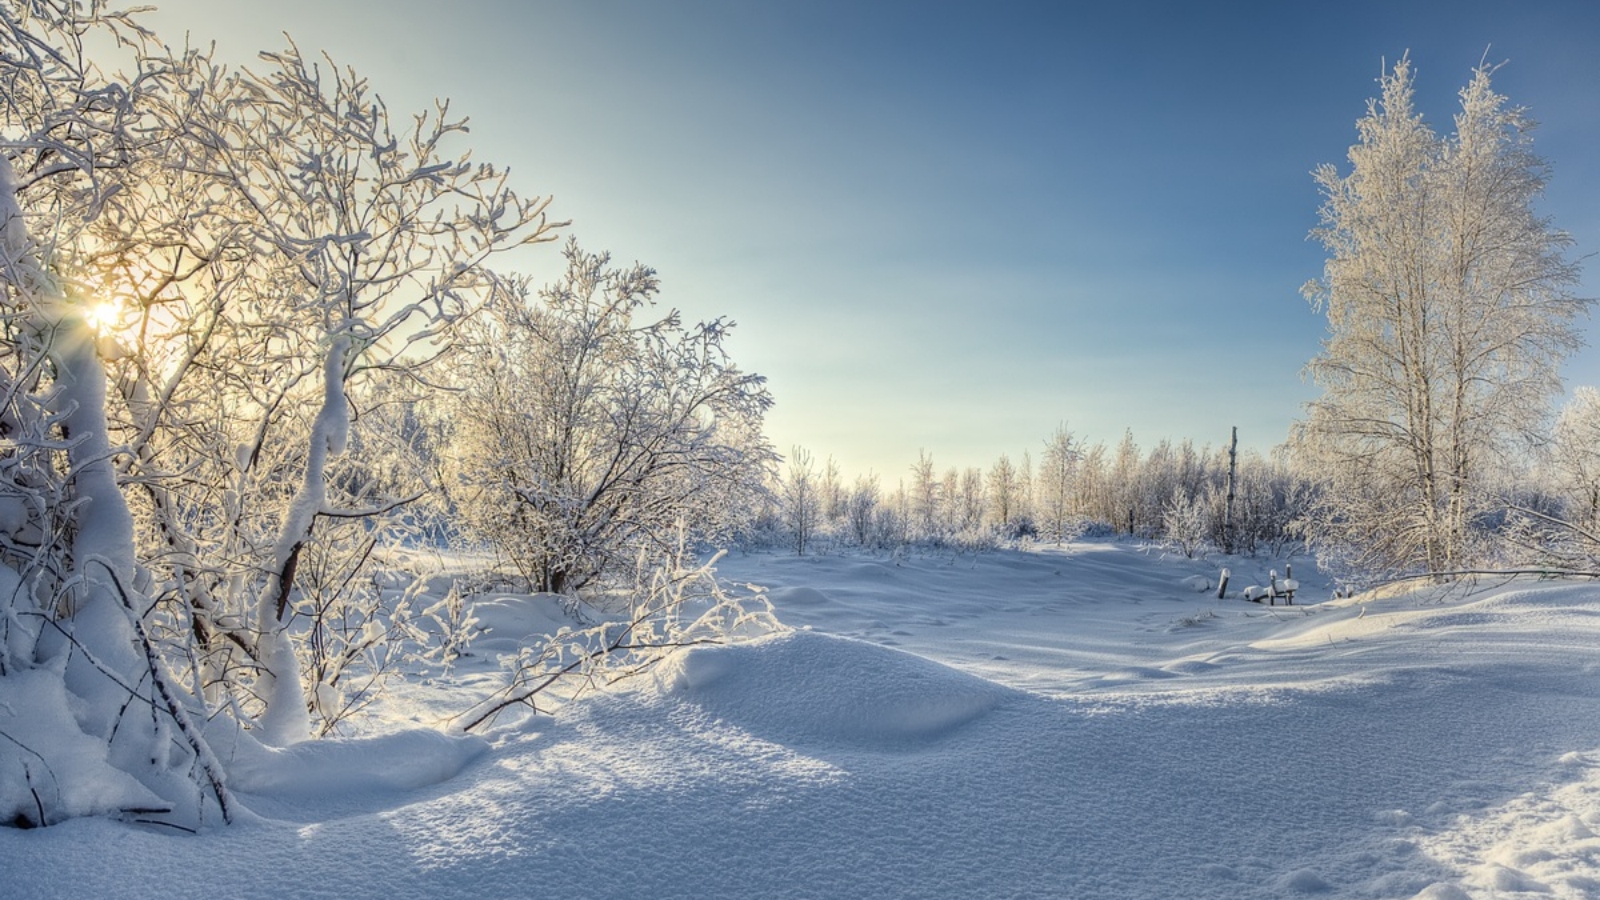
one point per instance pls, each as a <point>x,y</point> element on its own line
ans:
<point>804,689</point>
<point>1429,745</point>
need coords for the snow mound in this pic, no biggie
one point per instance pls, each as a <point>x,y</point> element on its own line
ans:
<point>332,768</point>
<point>810,689</point>
<point>1304,881</point>
<point>797,596</point>
<point>49,768</point>
<point>512,621</point>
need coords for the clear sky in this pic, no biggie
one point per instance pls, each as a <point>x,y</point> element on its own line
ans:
<point>953,226</point>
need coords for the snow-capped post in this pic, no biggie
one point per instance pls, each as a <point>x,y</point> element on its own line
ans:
<point>1272,587</point>
<point>286,718</point>
<point>1222,584</point>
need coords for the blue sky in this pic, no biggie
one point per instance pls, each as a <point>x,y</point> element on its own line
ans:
<point>949,226</point>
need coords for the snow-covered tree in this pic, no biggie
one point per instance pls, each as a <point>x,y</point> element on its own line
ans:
<point>1449,307</point>
<point>1124,477</point>
<point>285,251</point>
<point>588,427</point>
<point>974,500</point>
<point>1003,492</point>
<point>1574,458</point>
<point>1092,489</point>
<point>124,735</point>
<point>802,500</point>
<point>834,495</point>
<point>862,512</point>
<point>249,253</point>
<point>1185,522</point>
<point>925,497</point>
<point>1058,469</point>
<point>1026,494</point>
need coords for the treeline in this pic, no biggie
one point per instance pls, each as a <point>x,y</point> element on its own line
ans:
<point>1174,492</point>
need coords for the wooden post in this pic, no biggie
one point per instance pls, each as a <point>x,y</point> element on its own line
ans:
<point>1233,467</point>
<point>1222,585</point>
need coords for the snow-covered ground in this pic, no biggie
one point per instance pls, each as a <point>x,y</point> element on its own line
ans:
<point>1082,722</point>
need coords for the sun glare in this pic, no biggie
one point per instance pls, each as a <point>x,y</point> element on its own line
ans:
<point>104,316</point>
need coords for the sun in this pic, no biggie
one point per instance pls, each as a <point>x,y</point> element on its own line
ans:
<point>104,316</point>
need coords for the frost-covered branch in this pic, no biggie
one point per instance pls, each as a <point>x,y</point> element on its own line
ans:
<point>672,608</point>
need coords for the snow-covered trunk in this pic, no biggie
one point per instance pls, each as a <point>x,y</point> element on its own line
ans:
<point>102,546</point>
<point>95,622</point>
<point>286,719</point>
<point>120,693</point>
<point>19,624</point>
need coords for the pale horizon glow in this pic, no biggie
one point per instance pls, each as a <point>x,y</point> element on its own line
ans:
<point>951,229</point>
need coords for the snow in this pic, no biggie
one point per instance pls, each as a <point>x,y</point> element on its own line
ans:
<point>72,775</point>
<point>808,690</point>
<point>1074,722</point>
<point>344,772</point>
<point>16,248</point>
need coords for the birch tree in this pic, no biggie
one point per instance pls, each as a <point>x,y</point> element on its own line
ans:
<point>1450,308</point>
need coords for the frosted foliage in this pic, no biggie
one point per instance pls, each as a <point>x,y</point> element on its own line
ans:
<point>93,712</point>
<point>13,230</point>
<point>1575,458</point>
<point>644,423</point>
<point>672,605</point>
<point>1449,308</point>
<point>1058,473</point>
<point>1003,490</point>
<point>802,500</point>
<point>190,512</point>
<point>1186,522</point>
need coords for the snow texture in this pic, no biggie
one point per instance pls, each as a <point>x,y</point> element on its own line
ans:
<point>1072,723</point>
<point>48,767</point>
